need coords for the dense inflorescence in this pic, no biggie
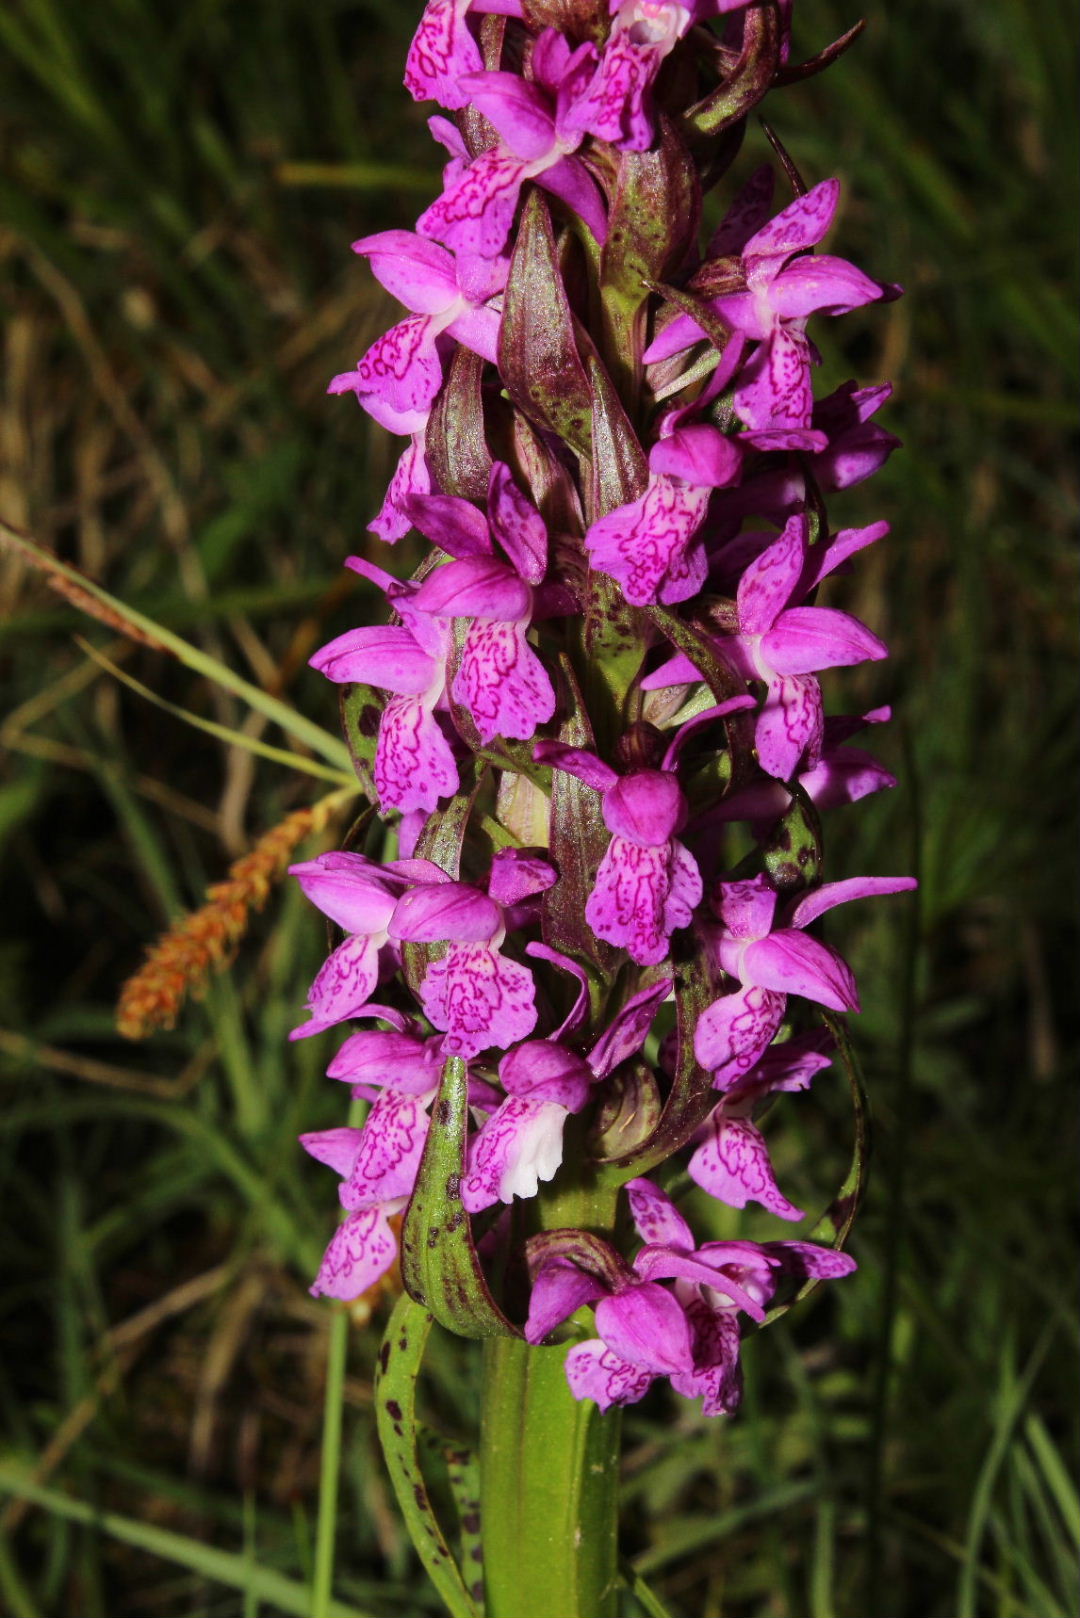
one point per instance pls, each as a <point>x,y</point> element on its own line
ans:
<point>594,723</point>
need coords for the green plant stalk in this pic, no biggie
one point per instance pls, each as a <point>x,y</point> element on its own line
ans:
<point>549,1477</point>
<point>549,1468</point>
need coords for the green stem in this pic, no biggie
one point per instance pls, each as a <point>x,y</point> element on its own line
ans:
<point>549,1484</point>
<point>549,1463</point>
<point>330,1470</point>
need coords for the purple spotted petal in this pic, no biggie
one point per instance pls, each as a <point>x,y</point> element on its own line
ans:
<point>646,1326</point>
<point>558,1291</point>
<point>747,908</point>
<point>747,214</point>
<point>790,962</point>
<point>734,1031</point>
<point>768,582</point>
<point>656,1217</point>
<point>388,1161</point>
<point>732,1164</point>
<point>478,999</point>
<point>774,388</point>
<point>801,224</point>
<point>345,983</point>
<point>516,874</point>
<point>790,724</point>
<point>594,1372</point>
<point>616,106</point>
<point>411,476</point>
<point>403,366</point>
<point>716,1377</point>
<point>520,1145</point>
<point>649,545</point>
<point>704,1266</point>
<point>806,639</point>
<point>414,764</point>
<point>807,1258</point>
<point>517,525</point>
<point>442,51</point>
<point>503,683</point>
<point>361,1250</point>
<point>475,212</point>
<point>640,896</point>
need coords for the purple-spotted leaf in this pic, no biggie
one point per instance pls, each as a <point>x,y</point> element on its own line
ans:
<point>439,1265</point>
<point>396,1374</point>
<point>538,355</point>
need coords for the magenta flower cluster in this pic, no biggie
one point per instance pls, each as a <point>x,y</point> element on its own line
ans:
<point>605,675</point>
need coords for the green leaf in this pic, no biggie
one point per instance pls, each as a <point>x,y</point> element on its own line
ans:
<point>438,1260</point>
<point>230,1568</point>
<point>395,1413</point>
<point>126,619</point>
<point>538,354</point>
<point>225,733</point>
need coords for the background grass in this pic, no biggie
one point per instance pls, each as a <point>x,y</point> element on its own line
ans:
<point>177,195</point>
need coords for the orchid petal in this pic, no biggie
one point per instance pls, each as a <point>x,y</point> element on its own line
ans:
<point>819,900</point>
<point>520,1145</point>
<point>478,999</point>
<point>656,1217</point>
<point>791,962</point>
<point>646,1326</point>
<point>441,53</point>
<point>345,982</point>
<point>388,1160</point>
<point>414,763</point>
<point>361,1251</point>
<point>806,639</point>
<point>594,1372</point>
<point>735,1030</point>
<point>732,1164</point>
<point>503,683</point>
<point>801,224</point>
<point>648,545</point>
<point>789,725</point>
<point>475,212</point>
<point>559,1291</point>
<point>451,910</point>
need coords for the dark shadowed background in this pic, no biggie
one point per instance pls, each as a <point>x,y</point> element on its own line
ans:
<point>178,190</point>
